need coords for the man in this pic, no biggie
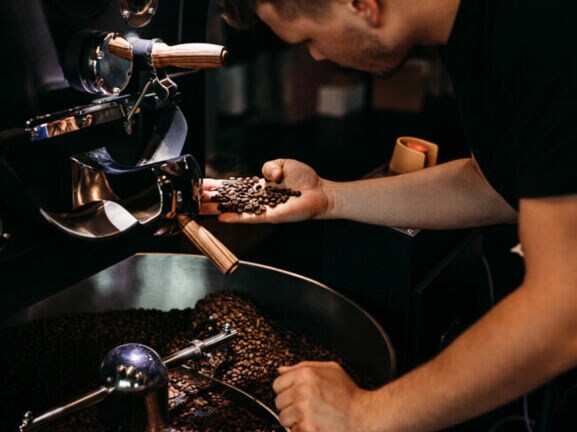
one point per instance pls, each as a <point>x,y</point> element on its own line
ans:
<point>513,65</point>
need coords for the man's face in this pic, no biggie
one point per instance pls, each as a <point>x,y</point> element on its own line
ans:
<point>343,37</point>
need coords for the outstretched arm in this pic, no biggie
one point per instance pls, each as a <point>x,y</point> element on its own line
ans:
<point>525,340</point>
<point>450,195</point>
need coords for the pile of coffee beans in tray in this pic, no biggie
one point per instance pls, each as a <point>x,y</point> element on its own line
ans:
<point>250,195</point>
<point>49,362</point>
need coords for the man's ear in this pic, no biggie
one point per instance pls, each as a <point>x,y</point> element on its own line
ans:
<point>369,10</point>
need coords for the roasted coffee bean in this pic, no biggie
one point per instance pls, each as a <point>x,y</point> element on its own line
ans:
<point>247,195</point>
<point>49,362</point>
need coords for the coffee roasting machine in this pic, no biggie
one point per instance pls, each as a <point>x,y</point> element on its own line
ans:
<point>101,157</point>
<point>101,135</point>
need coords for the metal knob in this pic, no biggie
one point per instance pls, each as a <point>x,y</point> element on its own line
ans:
<point>139,402</point>
<point>134,394</point>
<point>133,366</point>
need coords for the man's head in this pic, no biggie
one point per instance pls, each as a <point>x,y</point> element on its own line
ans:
<point>375,36</point>
<point>242,14</point>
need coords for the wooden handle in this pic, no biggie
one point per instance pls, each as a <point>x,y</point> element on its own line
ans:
<point>186,56</point>
<point>189,56</point>
<point>120,47</point>
<point>209,245</point>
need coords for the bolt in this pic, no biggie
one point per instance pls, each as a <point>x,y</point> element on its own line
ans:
<point>126,14</point>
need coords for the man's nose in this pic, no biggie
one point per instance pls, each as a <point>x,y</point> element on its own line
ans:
<point>315,53</point>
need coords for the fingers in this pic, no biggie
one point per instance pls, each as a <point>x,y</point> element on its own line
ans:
<point>209,209</point>
<point>273,170</point>
<point>289,418</point>
<point>283,400</point>
<point>210,183</point>
<point>303,372</point>
<point>312,396</point>
<point>306,364</point>
<point>287,402</point>
<point>297,411</point>
<point>282,383</point>
<point>245,218</point>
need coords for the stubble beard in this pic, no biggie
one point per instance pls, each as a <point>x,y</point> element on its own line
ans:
<point>370,55</point>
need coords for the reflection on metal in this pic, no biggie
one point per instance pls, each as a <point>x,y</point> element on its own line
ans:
<point>201,349</point>
<point>168,185</point>
<point>4,236</point>
<point>411,232</point>
<point>138,13</point>
<point>63,122</point>
<point>134,387</point>
<point>96,220</point>
<point>30,422</point>
<point>61,126</point>
<point>129,117</point>
<point>133,395</point>
<point>165,189</point>
<point>168,281</point>
<point>168,139</point>
<point>102,72</point>
<point>244,398</point>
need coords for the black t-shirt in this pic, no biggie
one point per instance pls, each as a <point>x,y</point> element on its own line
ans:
<point>513,66</point>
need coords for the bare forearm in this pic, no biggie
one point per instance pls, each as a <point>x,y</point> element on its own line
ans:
<point>509,352</point>
<point>521,343</point>
<point>451,195</point>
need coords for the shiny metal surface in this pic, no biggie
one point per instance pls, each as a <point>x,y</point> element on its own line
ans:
<point>4,235</point>
<point>244,398</point>
<point>167,281</point>
<point>200,349</point>
<point>74,119</point>
<point>101,210</point>
<point>110,73</point>
<point>168,139</point>
<point>139,402</point>
<point>138,13</point>
<point>136,379</point>
<point>31,423</point>
<point>91,67</point>
<point>133,367</point>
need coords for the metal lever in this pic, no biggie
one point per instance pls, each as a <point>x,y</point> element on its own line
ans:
<point>31,423</point>
<point>153,56</point>
<point>137,378</point>
<point>134,109</point>
<point>200,348</point>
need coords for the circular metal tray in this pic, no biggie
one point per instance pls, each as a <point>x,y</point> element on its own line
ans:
<point>175,281</point>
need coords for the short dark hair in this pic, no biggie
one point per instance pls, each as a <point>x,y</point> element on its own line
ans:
<point>241,13</point>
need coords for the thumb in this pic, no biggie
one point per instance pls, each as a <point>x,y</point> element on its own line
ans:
<point>273,170</point>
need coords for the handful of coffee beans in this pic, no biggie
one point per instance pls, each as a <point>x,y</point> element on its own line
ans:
<point>248,195</point>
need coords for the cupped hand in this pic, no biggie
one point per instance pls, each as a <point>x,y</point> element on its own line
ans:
<point>278,173</point>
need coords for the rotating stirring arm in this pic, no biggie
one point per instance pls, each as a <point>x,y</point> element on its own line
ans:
<point>199,349</point>
<point>31,423</point>
<point>120,371</point>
